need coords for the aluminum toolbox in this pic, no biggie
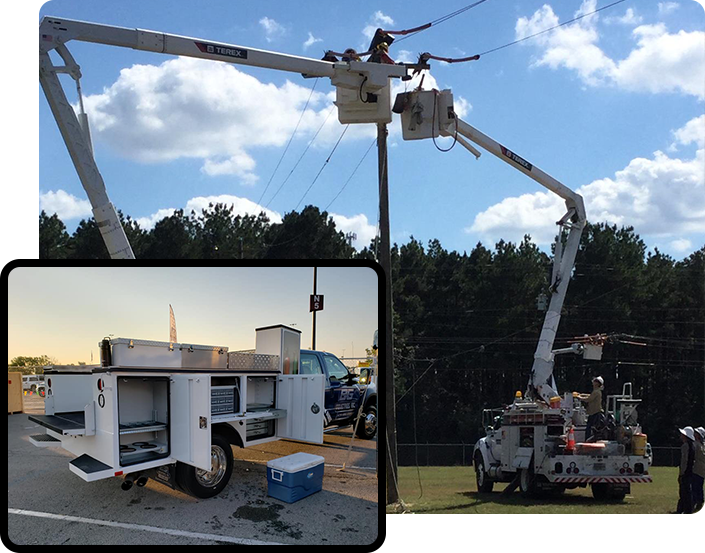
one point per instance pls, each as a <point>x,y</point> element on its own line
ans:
<point>127,352</point>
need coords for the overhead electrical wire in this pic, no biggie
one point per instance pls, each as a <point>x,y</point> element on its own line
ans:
<point>301,157</point>
<point>351,175</point>
<point>552,28</point>
<point>303,111</point>
<point>323,166</point>
<point>476,57</point>
<point>416,30</point>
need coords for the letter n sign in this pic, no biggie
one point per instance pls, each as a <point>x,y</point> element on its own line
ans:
<point>316,302</point>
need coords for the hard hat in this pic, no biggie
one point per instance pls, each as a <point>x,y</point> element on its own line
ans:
<point>688,432</point>
<point>599,379</point>
<point>700,430</point>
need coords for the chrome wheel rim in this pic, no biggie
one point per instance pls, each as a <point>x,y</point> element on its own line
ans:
<point>219,462</point>
<point>370,423</point>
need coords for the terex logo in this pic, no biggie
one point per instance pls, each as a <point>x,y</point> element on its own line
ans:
<point>516,159</point>
<point>222,50</point>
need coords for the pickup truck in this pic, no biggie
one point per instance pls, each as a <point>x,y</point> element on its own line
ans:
<point>343,394</point>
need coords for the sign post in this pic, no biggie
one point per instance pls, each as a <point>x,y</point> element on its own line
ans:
<point>315,304</point>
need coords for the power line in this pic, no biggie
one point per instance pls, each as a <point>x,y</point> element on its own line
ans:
<point>351,175</point>
<point>323,166</point>
<point>552,28</point>
<point>442,19</point>
<point>259,202</point>
<point>300,157</point>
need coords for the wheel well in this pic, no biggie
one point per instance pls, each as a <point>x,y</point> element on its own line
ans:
<point>229,433</point>
<point>371,399</point>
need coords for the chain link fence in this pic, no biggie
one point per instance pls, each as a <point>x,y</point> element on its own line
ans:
<point>444,455</point>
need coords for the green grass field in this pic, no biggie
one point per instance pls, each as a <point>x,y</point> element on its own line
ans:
<point>453,490</point>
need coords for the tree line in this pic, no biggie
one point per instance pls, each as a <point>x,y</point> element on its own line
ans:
<point>214,233</point>
<point>466,327</point>
<point>466,324</point>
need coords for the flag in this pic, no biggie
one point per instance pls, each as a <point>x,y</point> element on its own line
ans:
<point>172,325</point>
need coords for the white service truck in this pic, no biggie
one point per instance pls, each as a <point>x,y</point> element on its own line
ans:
<point>171,411</point>
<point>538,442</point>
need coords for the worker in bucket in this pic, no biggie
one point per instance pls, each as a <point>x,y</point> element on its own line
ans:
<point>685,473</point>
<point>594,404</point>
<point>698,469</point>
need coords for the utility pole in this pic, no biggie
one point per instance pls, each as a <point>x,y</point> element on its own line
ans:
<point>387,349</point>
<point>313,332</point>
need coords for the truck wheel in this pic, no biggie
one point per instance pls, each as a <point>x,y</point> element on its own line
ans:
<point>484,484</point>
<point>527,482</point>
<point>605,492</point>
<point>367,425</point>
<point>204,484</point>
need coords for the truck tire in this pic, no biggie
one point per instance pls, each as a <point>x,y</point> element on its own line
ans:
<point>484,484</point>
<point>367,425</point>
<point>605,492</point>
<point>527,482</point>
<point>204,484</point>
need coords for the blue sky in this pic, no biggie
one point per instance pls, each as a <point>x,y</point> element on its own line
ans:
<point>612,106</point>
<point>212,306</point>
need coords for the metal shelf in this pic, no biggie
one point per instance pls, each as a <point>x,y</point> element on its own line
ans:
<point>142,426</point>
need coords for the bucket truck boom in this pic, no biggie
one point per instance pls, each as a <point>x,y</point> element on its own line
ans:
<point>351,79</point>
<point>532,441</point>
<point>428,114</point>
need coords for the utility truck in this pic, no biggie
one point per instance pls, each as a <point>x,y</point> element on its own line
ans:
<point>538,442</point>
<point>171,411</point>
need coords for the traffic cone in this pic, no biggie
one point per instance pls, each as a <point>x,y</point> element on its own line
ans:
<point>571,440</point>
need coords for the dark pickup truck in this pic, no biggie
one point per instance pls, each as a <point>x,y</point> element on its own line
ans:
<point>343,394</point>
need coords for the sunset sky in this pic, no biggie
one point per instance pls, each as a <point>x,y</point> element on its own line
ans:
<point>64,312</point>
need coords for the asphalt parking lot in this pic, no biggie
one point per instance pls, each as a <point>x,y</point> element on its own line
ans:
<point>48,504</point>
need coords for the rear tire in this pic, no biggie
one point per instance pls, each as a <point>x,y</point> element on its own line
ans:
<point>605,492</point>
<point>527,482</point>
<point>204,484</point>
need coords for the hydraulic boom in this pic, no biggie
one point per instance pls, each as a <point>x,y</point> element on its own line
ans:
<point>351,78</point>
<point>427,114</point>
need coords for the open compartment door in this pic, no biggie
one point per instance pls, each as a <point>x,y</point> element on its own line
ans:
<point>190,419</point>
<point>302,397</point>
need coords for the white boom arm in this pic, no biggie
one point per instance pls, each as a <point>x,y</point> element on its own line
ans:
<point>541,381</point>
<point>444,121</point>
<point>55,32</point>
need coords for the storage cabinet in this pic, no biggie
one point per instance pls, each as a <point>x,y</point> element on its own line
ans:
<point>143,414</point>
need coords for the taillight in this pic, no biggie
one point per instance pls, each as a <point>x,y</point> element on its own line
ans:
<point>49,382</point>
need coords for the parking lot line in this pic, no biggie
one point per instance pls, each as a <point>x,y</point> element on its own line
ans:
<point>170,531</point>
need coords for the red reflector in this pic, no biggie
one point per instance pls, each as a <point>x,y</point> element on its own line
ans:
<point>575,470</point>
<point>629,470</point>
<point>621,471</point>
<point>49,382</point>
<point>119,473</point>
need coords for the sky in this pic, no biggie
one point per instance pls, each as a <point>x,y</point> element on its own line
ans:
<point>612,106</point>
<point>63,312</point>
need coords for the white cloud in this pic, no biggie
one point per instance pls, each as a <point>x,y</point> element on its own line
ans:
<point>664,62</point>
<point>187,108</point>
<point>311,40</point>
<point>357,224</point>
<point>664,8</point>
<point>681,245</point>
<point>241,206</point>
<point>630,17</point>
<point>65,205</point>
<point>272,29</point>
<point>693,132</point>
<point>660,62</point>
<point>659,196</point>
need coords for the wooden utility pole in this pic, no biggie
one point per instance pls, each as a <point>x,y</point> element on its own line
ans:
<point>387,349</point>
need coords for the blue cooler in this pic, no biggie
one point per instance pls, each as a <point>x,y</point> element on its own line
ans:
<point>295,476</point>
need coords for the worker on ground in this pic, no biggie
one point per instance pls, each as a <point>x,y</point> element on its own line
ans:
<point>685,473</point>
<point>698,469</point>
<point>594,404</point>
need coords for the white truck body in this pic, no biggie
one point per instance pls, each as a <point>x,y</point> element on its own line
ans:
<point>150,405</point>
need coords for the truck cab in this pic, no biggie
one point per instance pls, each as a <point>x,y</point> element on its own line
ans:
<point>343,394</point>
